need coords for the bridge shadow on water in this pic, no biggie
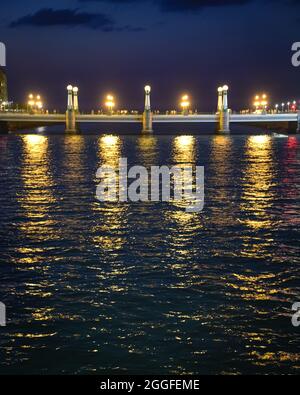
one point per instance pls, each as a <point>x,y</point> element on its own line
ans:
<point>159,129</point>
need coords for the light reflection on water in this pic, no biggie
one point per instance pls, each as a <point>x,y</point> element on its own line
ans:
<point>149,288</point>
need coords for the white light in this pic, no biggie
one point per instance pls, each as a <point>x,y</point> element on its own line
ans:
<point>75,89</point>
<point>225,88</point>
<point>147,88</point>
<point>220,89</point>
<point>70,87</point>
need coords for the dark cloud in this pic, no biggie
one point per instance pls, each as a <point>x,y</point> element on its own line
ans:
<point>194,5</point>
<point>178,5</point>
<point>64,17</point>
<point>191,5</point>
<point>48,17</point>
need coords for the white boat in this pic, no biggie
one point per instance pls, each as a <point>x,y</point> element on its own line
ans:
<point>280,135</point>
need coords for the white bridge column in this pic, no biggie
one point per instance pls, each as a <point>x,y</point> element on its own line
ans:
<point>70,113</point>
<point>75,99</point>
<point>223,110</point>
<point>70,97</point>
<point>147,115</point>
<point>220,99</point>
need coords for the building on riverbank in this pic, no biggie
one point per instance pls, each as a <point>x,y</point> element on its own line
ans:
<point>3,87</point>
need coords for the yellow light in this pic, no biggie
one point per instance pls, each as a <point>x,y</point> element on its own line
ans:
<point>185,104</point>
<point>259,140</point>
<point>109,140</point>
<point>110,102</point>
<point>184,141</point>
<point>34,140</point>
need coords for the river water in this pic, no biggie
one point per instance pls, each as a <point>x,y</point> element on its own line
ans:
<point>147,288</point>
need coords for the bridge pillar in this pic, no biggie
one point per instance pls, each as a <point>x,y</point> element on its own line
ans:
<point>75,99</point>
<point>298,122</point>
<point>220,99</point>
<point>147,115</point>
<point>223,110</point>
<point>71,121</point>
<point>70,113</point>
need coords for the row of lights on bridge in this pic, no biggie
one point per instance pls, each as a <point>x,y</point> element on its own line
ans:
<point>260,103</point>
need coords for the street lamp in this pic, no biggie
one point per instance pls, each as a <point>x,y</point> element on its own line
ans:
<point>261,102</point>
<point>185,104</point>
<point>276,107</point>
<point>110,103</point>
<point>282,107</point>
<point>34,103</point>
<point>30,102</point>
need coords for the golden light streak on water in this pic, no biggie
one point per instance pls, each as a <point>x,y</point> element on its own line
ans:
<point>109,150</point>
<point>257,191</point>
<point>36,198</point>
<point>107,233</point>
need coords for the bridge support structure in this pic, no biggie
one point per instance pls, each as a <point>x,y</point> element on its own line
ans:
<point>223,110</point>
<point>298,122</point>
<point>147,115</point>
<point>71,126</point>
<point>75,99</point>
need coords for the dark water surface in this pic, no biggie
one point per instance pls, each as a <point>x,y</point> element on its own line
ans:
<point>146,287</point>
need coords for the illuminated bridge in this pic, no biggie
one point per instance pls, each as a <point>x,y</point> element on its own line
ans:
<point>222,118</point>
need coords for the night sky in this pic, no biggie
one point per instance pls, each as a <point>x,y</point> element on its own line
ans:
<point>116,46</point>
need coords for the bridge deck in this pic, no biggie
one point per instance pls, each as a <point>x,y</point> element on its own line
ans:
<point>194,118</point>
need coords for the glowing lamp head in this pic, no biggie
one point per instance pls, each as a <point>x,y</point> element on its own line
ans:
<point>69,87</point>
<point>220,89</point>
<point>147,89</point>
<point>75,89</point>
<point>225,88</point>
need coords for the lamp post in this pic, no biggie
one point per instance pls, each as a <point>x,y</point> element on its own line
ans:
<point>34,103</point>
<point>185,104</point>
<point>110,103</point>
<point>261,103</point>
